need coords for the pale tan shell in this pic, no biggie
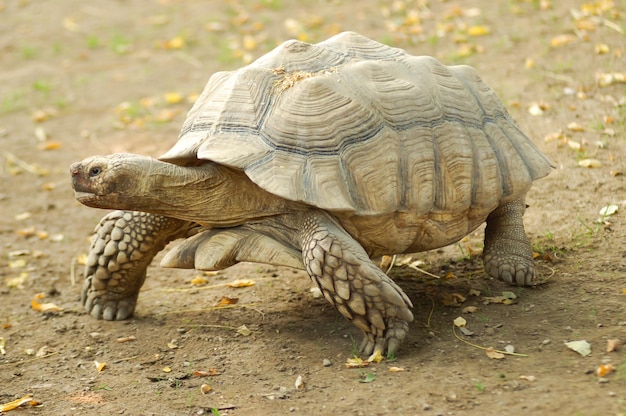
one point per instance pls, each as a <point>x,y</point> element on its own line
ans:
<point>352,125</point>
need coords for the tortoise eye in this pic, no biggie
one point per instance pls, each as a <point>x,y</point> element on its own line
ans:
<point>95,171</point>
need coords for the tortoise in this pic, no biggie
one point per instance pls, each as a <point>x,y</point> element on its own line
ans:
<point>320,157</point>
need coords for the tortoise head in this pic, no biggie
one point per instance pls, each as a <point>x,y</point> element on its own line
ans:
<point>110,181</point>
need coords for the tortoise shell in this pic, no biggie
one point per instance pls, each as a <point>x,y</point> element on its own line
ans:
<point>352,125</point>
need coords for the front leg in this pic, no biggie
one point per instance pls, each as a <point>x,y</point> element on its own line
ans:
<point>354,285</point>
<point>508,254</point>
<point>124,244</point>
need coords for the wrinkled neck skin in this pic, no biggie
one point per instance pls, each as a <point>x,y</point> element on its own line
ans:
<point>208,194</point>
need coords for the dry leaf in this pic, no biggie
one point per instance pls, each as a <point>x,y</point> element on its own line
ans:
<point>581,347</point>
<point>173,97</point>
<point>608,210</point>
<point>470,309</point>
<point>612,345</point>
<point>561,40</point>
<point>356,362</point>
<point>225,300</point>
<point>460,322</point>
<point>205,388</point>
<point>299,384</point>
<point>491,353</point>
<point>17,403</point>
<point>376,357</point>
<point>604,80</point>
<point>199,281</point>
<point>43,307</point>
<point>99,366</point>
<point>473,292</point>
<point>604,369</point>
<point>210,373</point>
<point>589,163</point>
<point>478,30</point>
<point>241,283</point>
<point>166,369</point>
<point>396,369</point>
<point>574,126</point>
<point>49,146</point>
<point>126,339</point>
<point>243,330</point>
<point>528,378</point>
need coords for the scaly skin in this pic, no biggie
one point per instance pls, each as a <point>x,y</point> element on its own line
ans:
<point>351,282</point>
<point>124,244</point>
<point>508,254</point>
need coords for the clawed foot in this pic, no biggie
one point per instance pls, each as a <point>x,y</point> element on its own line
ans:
<point>107,305</point>
<point>512,269</point>
<point>387,344</point>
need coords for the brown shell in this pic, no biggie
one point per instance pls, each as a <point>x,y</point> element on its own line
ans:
<point>350,124</point>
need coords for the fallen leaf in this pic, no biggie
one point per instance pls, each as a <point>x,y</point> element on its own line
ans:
<point>225,300</point>
<point>166,369</point>
<point>478,30</point>
<point>561,40</point>
<point>243,330</point>
<point>205,388</point>
<point>17,403</point>
<point>49,145</point>
<point>589,163</point>
<point>606,79</point>
<point>604,369</point>
<point>396,369</point>
<point>581,347</point>
<point>608,210</point>
<point>528,378</point>
<point>460,322</point>
<point>43,307</point>
<point>356,362</point>
<point>367,378</point>
<point>376,357</point>
<point>299,384</point>
<point>241,283</point>
<point>99,366</point>
<point>574,126</point>
<point>612,345</point>
<point>199,281</point>
<point>211,372</point>
<point>126,339</point>
<point>492,353</point>
<point>470,309</point>
<point>173,97</point>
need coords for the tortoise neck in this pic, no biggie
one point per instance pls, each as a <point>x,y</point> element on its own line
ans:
<point>209,194</point>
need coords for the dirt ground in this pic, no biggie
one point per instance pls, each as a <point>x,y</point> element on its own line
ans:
<point>80,78</point>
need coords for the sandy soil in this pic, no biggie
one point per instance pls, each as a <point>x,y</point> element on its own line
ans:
<point>80,78</point>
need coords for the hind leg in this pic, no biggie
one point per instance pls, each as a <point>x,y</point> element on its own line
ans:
<point>124,244</point>
<point>508,254</point>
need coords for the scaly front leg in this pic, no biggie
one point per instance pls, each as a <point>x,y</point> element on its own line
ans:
<point>354,285</point>
<point>124,244</point>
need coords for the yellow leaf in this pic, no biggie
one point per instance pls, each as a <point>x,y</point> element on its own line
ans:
<point>396,369</point>
<point>173,97</point>
<point>574,126</point>
<point>225,300</point>
<point>589,163</point>
<point>478,30</point>
<point>49,146</point>
<point>205,388</point>
<point>376,357</point>
<point>356,362</point>
<point>43,307</point>
<point>17,403</point>
<point>241,283</point>
<point>199,281</point>
<point>167,370</point>
<point>491,353</point>
<point>99,366</point>
<point>460,322</point>
<point>175,43</point>
<point>561,40</point>
<point>604,369</point>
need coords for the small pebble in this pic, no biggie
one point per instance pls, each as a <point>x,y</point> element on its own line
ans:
<point>545,342</point>
<point>326,362</point>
